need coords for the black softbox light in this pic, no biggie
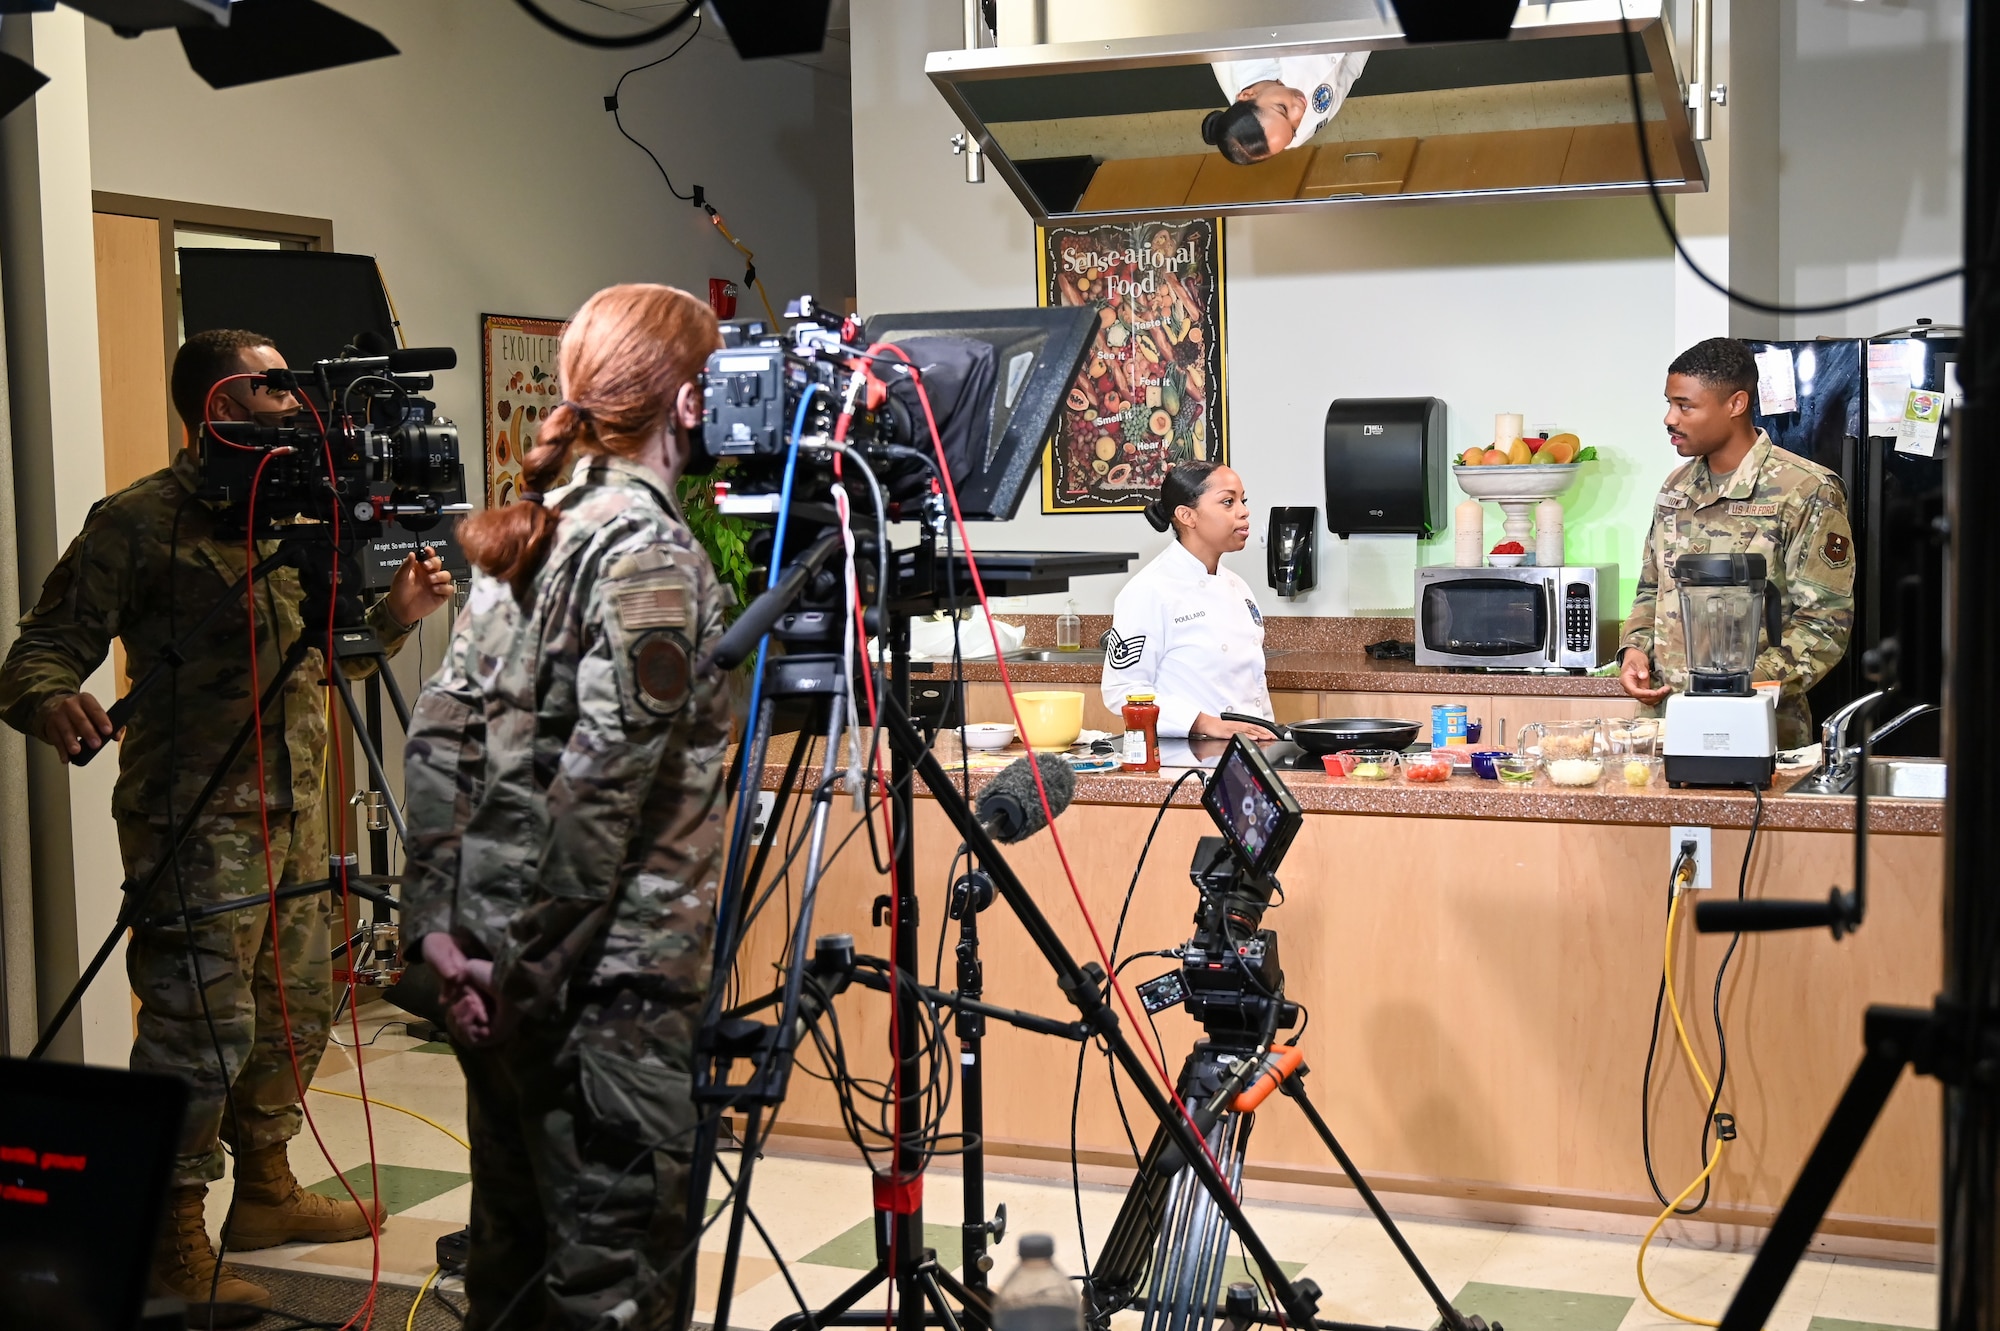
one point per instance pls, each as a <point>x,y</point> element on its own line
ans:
<point>274,39</point>
<point>1456,20</point>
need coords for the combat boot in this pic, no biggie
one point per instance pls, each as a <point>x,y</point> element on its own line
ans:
<point>272,1208</point>
<point>184,1266</point>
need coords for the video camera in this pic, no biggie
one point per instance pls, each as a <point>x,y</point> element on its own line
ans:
<point>1230,978</point>
<point>993,378</point>
<point>376,454</point>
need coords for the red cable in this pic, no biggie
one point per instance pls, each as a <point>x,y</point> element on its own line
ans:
<point>271,886</point>
<point>208,419</point>
<point>1048,812</point>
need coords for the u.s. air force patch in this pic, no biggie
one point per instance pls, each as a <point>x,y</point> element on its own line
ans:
<point>661,670</point>
<point>1836,550</point>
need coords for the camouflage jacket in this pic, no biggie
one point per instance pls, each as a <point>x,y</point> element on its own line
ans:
<point>1791,511</point>
<point>564,765</point>
<point>145,568</point>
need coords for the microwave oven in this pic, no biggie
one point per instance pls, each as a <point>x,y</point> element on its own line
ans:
<point>1525,618</point>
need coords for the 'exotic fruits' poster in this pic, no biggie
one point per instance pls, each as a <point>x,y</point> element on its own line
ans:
<point>1151,393</point>
<point>519,357</point>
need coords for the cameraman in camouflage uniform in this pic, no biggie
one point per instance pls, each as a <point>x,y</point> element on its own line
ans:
<point>146,567</point>
<point>565,810</point>
<point>1741,494</point>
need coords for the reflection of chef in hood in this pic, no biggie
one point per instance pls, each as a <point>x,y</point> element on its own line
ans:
<point>1280,103</point>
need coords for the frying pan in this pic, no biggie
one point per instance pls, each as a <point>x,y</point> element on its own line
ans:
<point>1320,738</point>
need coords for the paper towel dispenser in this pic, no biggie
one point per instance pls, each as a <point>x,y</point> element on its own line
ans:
<point>1385,460</point>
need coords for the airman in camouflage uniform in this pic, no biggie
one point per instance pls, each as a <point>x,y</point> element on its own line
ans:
<point>1776,504</point>
<point>564,776</point>
<point>148,564</point>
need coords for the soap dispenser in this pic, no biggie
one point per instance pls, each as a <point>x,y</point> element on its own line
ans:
<point>1291,555</point>
<point>1069,630</point>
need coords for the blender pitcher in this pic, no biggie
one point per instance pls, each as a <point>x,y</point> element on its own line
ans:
<point>1724,600</point>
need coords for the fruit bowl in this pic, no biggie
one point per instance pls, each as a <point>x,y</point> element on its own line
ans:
<point>1508,481</point>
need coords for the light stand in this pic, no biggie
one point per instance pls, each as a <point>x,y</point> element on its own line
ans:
<point>1957,1039</point>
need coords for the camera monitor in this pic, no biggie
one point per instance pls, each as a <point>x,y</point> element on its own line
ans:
<point>1011,408</point>
<point>85,1153</point>
<point>1257,815</point>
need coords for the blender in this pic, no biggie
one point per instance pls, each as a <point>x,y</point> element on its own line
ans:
<point>1721,731</point>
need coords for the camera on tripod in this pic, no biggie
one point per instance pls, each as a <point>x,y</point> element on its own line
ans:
<point>376,453</point>
<point>1230,976</point>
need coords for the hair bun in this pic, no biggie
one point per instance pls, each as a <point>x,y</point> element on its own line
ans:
<point>1156,514</point>
<point>1211,128</point>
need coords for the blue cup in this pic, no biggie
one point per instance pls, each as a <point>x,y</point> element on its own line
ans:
<point>1484,763</point>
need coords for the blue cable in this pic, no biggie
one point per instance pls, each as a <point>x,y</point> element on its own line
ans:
<point>739,839</point>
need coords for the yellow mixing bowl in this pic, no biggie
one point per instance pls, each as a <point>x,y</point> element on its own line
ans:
<point>1050,718</point>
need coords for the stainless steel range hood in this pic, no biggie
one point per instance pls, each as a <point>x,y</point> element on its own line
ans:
<point>1111,128</point>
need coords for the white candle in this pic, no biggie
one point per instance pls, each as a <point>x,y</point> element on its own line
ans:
<point>1506,428</point>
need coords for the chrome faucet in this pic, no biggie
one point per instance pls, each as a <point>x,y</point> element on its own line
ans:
<point>1836,771</point>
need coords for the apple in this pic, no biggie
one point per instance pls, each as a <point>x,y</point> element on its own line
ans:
<point>1474,456</point>
<point>1495,458</point>
<point>1535,442</point>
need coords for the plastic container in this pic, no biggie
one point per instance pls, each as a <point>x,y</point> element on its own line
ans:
<point>1069,630</point>
<point>1037,1296</point>
<point>1050,718</point>
<point>1142,732</point>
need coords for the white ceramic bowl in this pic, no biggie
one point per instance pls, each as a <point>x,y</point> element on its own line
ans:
<point>1512,482</point>
<point>989,735</point>
<point>1505,561</point>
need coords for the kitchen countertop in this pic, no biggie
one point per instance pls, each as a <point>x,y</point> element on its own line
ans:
<point>1319,671</point>
<point>1467,796</point>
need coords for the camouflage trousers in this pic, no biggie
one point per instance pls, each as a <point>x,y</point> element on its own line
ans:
<point>255,1102</point>
<point>581,1137</point>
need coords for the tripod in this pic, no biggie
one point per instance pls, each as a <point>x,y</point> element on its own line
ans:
<point>925,1291</point>
<point>1168,1250</point>
<point>353,639</point>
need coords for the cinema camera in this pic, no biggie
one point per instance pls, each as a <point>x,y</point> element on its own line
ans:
<point>376,452</point>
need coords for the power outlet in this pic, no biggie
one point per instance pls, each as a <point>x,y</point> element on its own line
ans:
<point>1703,853</point>
<point>760,820</point>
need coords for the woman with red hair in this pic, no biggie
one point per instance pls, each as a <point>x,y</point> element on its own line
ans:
<point>564,775</point>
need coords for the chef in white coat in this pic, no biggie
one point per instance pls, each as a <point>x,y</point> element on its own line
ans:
<point>1185,628</point>
<point>1278,103</point>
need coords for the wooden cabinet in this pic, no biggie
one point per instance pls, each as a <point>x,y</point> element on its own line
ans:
<point>1373,166</point>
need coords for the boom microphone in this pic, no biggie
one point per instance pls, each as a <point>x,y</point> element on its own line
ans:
<point>1010,809</point>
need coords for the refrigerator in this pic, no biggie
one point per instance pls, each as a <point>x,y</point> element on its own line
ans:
<point>1845,410</point>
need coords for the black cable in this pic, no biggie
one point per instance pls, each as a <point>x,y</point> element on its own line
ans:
<point>1722,1042</point>
<point>612,103</point>
<point>604,41</point>
<point>1667,225</point>
<point>1076,1096</point>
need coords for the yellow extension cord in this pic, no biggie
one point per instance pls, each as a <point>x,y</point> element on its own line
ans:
<point>1708,1095</point>
<point>411,1324</point>
<point>384,1104</point>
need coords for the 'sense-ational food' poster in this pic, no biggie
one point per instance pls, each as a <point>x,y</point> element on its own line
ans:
<point>519,358</point>
<point>1150,394</point>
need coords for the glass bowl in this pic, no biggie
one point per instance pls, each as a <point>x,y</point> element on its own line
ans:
<point>1427,769</point>
<point>1574,771</point>
<point>1516,769</point>
<point>1364,764</point>
<point>1637,770</point>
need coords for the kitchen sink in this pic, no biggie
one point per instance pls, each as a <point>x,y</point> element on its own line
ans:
<point>1083,656</point>
<point>1900,778</point>
<point>1907,778</point>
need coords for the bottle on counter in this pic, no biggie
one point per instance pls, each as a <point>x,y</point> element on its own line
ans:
<point>1549,534</point>
<point>1069,630</point>
<point>1468,529</point>
<point>1142,732</point>
<point>1037,1296</point>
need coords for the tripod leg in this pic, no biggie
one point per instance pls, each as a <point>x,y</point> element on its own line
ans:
<point>833,1313</point>
<point>935,1297</point>
<point>1825,1169</point>
<point>367,745</point>
<point>739,1207</point>
<point>1295,1086</point>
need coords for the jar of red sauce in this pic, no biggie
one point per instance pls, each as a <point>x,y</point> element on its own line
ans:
<point>1142,733</point>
